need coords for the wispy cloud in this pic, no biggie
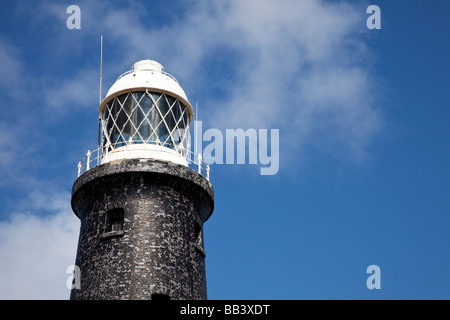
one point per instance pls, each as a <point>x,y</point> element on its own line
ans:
<point>301,70</point>
<point>11,69</point>
<point>294,65</point>
<point>79,90</point>
<point>299,66</point>
<point>36,250</point>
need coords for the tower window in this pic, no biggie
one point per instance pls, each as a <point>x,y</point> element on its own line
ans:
<point>114,223</point>
<point>115,219</point>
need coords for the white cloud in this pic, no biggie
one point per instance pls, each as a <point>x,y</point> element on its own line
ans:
<point>9,150</point>
<point>76,91</point>
<point>15,155</point>
<point>297,66</point>
<point>293,65</point>
<point>36,250</point>
<point>10,68</point>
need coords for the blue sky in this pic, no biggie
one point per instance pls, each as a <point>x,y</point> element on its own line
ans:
<point>363,120</point>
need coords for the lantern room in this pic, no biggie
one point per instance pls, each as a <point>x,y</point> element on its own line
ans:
<point>145,114</point>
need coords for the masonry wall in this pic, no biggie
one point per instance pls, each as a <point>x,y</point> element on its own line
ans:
<point>159,250</point>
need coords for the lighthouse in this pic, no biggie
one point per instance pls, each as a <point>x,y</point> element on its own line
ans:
<point>142,197</point>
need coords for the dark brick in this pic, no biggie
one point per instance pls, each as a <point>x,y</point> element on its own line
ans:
<point>157,252</point>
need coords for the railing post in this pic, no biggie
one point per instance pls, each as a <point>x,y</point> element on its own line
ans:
<point>88,160</point>
<point>79,168</point>
<point>207,172</point>
<point>199,156</point>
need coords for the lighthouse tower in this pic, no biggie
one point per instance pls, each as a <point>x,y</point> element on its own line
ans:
<point>141,207</point>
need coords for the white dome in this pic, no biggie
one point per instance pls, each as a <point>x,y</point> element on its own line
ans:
<point>147,74</point>
<point>147,65</point>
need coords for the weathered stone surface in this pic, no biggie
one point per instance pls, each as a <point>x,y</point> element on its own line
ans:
<point>160,249</point>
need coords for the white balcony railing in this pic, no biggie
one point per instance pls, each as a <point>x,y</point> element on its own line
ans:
<point>94,158</point>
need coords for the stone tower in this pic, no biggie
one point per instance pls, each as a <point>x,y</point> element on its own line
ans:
<point>142,208</point>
